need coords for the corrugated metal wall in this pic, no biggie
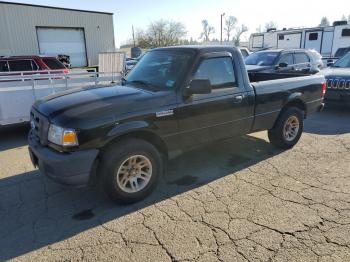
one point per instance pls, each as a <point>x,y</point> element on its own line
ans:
<point>18,29</point>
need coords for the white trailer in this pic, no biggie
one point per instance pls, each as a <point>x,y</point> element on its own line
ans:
<point>18,93</point>
<point>326,40</point>
<point>289,40</point>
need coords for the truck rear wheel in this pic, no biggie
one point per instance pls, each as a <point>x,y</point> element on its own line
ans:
<point>130,170</point>
<point>288,128</point>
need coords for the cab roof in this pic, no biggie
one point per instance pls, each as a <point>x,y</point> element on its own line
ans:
<point>24,57</point>
<point>201,48</point>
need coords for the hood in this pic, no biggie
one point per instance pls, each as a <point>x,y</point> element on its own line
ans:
<point>334,72</point>
<point>257,68</point>
<point>97,103</point>
<point>337,78</point>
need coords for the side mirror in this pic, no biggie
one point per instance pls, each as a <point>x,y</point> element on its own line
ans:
<point>282,65</point>
<point>198,87</point>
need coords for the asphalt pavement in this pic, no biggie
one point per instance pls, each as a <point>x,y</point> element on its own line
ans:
<point>237,200</point>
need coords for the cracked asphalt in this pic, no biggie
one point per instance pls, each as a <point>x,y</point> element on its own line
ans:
<point>237,200</point>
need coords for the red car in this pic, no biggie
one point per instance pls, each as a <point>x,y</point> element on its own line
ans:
<point>30,64</point>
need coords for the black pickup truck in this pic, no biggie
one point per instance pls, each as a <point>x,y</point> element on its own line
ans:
<point>173,100</point>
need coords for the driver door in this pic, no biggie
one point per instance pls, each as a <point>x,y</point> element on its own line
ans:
<point>222,113</point>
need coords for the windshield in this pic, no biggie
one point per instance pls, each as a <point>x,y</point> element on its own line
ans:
<point>343,62</point>
<point>262,58</point>
<point>53,63</point>
<point>160,69</point>
<point>342,51</point>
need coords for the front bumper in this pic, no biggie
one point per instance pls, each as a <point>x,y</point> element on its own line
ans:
<point>337,98</point>
<point>72,169</point>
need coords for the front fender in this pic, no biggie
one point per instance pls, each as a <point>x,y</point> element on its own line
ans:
<point>125,128</point>
<point>141,130</point>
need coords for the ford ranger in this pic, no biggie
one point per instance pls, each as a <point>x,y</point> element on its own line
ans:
<point>174,99</point>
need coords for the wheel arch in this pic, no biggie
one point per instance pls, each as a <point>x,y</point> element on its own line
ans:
<point>292,102</point>
<point>137,130</point>
<point>295,100</point>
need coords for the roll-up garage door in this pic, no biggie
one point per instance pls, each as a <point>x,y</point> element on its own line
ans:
<point>63,41</point>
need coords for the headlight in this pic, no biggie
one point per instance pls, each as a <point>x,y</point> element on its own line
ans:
<point>62,136</point>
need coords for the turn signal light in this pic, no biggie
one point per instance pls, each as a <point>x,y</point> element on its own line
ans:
<point>70,138</point>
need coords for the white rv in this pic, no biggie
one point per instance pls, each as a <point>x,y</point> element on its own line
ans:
<point>325,40</point>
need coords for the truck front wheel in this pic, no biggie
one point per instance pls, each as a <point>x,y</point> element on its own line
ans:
<point>130,170</point>
<point>288,128</point>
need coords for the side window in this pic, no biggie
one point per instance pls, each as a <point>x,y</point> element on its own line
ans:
<point>301,58</point>
<point>218,70</point>
<point>345,32</point>
<point>20,65</point>
<point>3,66</point>
<point>286,58</point>
<point>313,36</point>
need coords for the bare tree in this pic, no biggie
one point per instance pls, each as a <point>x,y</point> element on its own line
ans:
<point>259,29</point>
<point>343,18</point>
<point>270,25</point>
<point>324,21</point>
<point>230,25</point>
<point>174,32</point>
<point>161,33</point>
<point>207,30</point>
<point>239,31</point>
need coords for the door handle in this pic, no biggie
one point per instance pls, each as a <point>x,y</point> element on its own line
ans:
<point>238,99</point>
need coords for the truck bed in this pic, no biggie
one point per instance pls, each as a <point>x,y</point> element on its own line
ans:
<point>272,95</point>
<point>260,77</point>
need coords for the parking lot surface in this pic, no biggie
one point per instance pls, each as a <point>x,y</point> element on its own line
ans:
<point>237,200</point>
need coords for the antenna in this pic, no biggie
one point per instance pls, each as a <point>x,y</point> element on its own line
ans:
<point>133,35</point>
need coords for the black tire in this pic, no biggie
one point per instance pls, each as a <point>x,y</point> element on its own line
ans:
<point>112,159</point>
<point>276,134</point>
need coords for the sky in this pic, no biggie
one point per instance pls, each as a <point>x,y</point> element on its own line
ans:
<point>139,13</point>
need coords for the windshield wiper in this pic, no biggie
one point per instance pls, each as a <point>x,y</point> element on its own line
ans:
<point>144,83</point>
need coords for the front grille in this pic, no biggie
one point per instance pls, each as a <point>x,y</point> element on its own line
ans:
<point>335,83</point>
<point>338,84</point>
<point>329,83</point>
<point>39,126</point>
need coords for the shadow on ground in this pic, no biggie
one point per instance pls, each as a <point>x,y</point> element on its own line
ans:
<point>35,212</point>
<point>13,136</point>
<point>331,121</point>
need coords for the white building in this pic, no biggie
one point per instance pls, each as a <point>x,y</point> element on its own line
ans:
<point>326,40</point>
<point>42,30</point>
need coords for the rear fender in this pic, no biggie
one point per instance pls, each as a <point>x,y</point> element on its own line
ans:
<point>294,96</point>
<point>295,100</point>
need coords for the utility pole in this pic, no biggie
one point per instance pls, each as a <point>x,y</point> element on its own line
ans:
<point>222,15</point>
<point>133,35</point>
